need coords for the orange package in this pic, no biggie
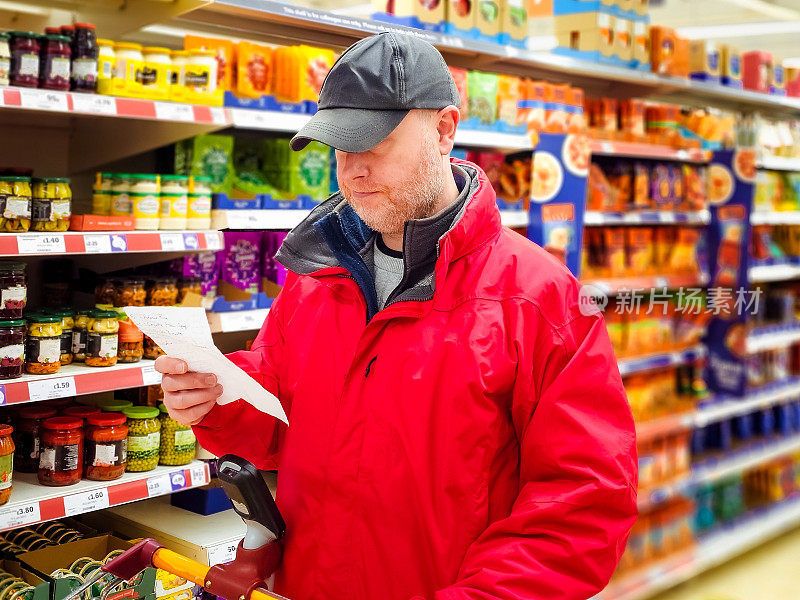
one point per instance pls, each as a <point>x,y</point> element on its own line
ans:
<point>533,113</point>
<point>253,70</point>
<point>460,77</point>
<point>641,186</point>
<point>599,191</point>
<point>631,116</point>
<point>665,240</point>
<point>556,115</point>
<point>224,55</point>
<point>576,119</point>
<point>694,187</point>
<point>680,66</point>
<point>662,49</point>
<point>640,250</point>
<point>314,66</point>
<point>509,93</point>
<point>614,247</point>
<point>606,114</point>
<point>684,255</point>
<point>621,179</point>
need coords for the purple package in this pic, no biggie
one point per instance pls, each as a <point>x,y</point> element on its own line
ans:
<point>273,274</point>
<point>241,264</point>
<point>205,265</point>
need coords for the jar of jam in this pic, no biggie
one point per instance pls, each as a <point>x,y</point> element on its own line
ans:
<point>27,434</point>
<point>102,343</point>
<point>5,58</point>
<point>177,440</point>
<point>129,292</point>
<point>6,462</point>
<point>67,325</point>
<point>106,453</point>
<point>84,58</point>
<point>80,332</point>
<point>151,349</point>
<point>13,289</point>
<point>24,46</point>
<point>189,285</point>
<point>144,437</point>
<point>15,202</point>
<point>81,412</point>
<point>55,64</point>
<point>61,456</point>
<point>131,343</point>
<point>68,31</point>
<point>163,292</point>
<point>116,406</point>
<point>12,348</point>
<point>43,344</point>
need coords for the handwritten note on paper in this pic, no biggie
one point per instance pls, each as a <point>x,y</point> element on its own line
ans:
<point>184,333</point>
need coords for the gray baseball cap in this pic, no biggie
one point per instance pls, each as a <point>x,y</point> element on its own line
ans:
<point>371,88</point>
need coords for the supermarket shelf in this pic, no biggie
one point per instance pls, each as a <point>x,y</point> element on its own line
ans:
<point>769,337</point>
<point>776,217</point>
<point>78,242</point>
<point>33,503</point>
<point>647,499</point>
<point>714,469</point>
<point>725,408</point>
<point>779,163</point>
<point>240,320</point>
<point>652,151</point>
<point>663,426</point>
<point>645,283</point>
<point>77,379</point>
<point>595,217</point>
<point>514,218</point>
<point>767,273</point>
<point>660,360</point>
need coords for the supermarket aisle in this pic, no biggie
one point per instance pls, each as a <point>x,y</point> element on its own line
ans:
<point>769,572</point>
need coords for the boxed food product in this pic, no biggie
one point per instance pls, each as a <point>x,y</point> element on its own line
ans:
<point>641,45</point>
<point>757,70</point>
<point>661,191</point>
<point>621,179</point>
<point>730,66</point>
<point>426,13</point>
<point>778,82</point>
<point>253,70</point>
<point>623,39</point>
<point>223,53</point>
<point>533,104</point>
<point>460,16</point>
<point>302,173</point>
<point>240,267</point>
<point>555,120</point>
<point>590,34</point>
<point>576,120</point>
<point>793,81</point>
<point>662,49</point>
<point>641,186</point>
<point>273,273</point>
<point>509,92</point>
<point>460,78</point>
<point>100,223</point>
<point>514,25</point>
<point>482,97</point>
<point>203,265</point>
<point>631,116</point>
<point>640,249</point>
<point>487,19</point>
<point>207,155</point>
<point>680,66</point>
<point>614,264</point>
<point>694,187</point>
<point>704,61</point>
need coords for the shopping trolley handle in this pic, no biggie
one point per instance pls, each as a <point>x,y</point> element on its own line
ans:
<point>133,561</point>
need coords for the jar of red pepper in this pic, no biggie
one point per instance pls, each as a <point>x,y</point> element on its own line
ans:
<point>26,436</point>
<point>24,59</point>
<point>61,456</point>
<point>55,66</point>
<point>106,446</point>
<point>81,412</point>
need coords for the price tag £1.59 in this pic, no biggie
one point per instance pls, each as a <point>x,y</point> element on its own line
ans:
<point>47,389</point>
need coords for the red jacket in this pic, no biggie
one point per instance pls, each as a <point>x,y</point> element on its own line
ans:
<point>474,445</point>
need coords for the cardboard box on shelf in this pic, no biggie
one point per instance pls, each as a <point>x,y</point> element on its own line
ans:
<point>591,34</point>
<point>662,49</point>
<point>641,44</point>
<point>704,61</point>
<point>514,20</point>
<point>778,81</point>
<point>623,39</point>
<point>431,13</point>
<point>100,223</point>
<point>730,59</point>
<point>757,70</point>
<point>460,17</point>
<point>487,19</point>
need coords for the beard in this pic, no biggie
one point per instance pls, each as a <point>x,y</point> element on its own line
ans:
<point>415,199</point>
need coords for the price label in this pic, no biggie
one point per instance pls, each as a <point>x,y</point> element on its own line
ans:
<point>198,475</point>
<point>213,241</point>
<point>254,119</point>
<point>174,111</point>
<point>218,116</point>
<point>606,147</point>
<point>94,103</point>
<point>83,502</point>
<point>247,219</point>
<point>190,241</point>
<point>159,485</point>
<point>43,100</point>
<point>97,244</point>
<point>243,320</point>
<point>150,376</point>
<point>172,242</point>
<point>17,515</point>
<point>41,244</point>
<point>221,553</point>
<point>46,389</point>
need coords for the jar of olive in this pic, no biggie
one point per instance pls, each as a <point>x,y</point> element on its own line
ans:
<point>144,437</point>
<point>67,326</point>
<point>177,441</point>
<point>102,341</point>
<point>80,332</point>
<point>43,344</point>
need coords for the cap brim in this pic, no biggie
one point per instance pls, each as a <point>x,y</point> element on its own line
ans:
<point>348,129</point>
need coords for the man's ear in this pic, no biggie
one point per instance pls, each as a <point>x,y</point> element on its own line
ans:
<point>446,121</point>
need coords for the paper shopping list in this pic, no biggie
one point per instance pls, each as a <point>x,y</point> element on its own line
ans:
<point>183,332</point>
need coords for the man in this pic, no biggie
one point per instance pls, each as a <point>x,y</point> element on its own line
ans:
<point>459,429</point>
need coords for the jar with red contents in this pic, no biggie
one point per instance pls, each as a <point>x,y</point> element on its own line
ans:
<point>55,66</point>
<point>84,58</point>
<point>13,289</point>
<point>24,48</point>
<point>61,456</point>
<point>26,436</point>
<point>12,348</point>
<point>106,447</point>
<point>81,412</point>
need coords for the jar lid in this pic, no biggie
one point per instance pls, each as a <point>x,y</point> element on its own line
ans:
<point>128,46</point>
<point>103,314</point>
<point>80,411</point>
<point>55,179</point>
<point>179,52</point>
<point>15,178</point>
<point>36,412</point>
<point>42,318</point>
<point>140,412</point>
<point>128,332</point>
<point>15,267</point>
<point>104,42</point>
<point>22,34</point>
<point>4,35</point>
<point>114,405</point>
<point>121,175</point>
<point>85,25</point>
<point>142,176</point>
<point>58,38</point>
<point>12,323</point>
<point>61,312</point>
<point>67,28</point>
<point>203,178</point>
<point>106,174</point>
<point>163,408</point>
<point>6,429</point>
<point>106,419</point>
<point>175,177</point>
<point>62,423</point>
<point>156,49</point>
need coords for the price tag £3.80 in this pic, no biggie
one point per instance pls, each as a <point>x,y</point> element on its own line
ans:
<point>15,516</point>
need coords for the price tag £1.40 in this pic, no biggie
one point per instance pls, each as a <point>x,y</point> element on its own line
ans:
<point>37,243</point>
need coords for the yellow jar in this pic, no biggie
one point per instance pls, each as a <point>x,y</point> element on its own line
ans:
<point>106,58</point>
<point>157,73</point>
<point>200,76</point>
<point>101,195</point>
<point>102,340</point>
<point>177,89</point>
<point>43,344</point>
<point>80,332</point>
<point>16,205</point>
<point>128,66</point>
<point>174,201</point>
<point>121,195</point>
<point>67,327</point>
<point>52,204</point>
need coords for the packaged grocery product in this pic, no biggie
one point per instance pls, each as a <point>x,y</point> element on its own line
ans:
<point>614,252</point>
<point>576,120</point>
<point>731,66</point>
<point>664,243</point>
<point>24,47</point>
<point>61,451</point>
<point>623,39</point>
<point>129,292</point>
<point>661,190</point>
<point>163,292</point>
<point>200,77</point>
<point>27,436</point>
<point>102,340</point>
<point>209,156</point>
<point>432,13</point>
<point>704,61</point>
<point>12,348</point>
<point>221,50</point>
<point>460,78</point>
<point>174,201</point>
<point>144,438</point>
<point>146,210</point>
<point>205,266</point>
<point>55,65</point>
<point>662,49</point>
<point>684,254</point>
<point>51,204</point>
<point>461,16</point>
<point>240,270</point>
<point>43,344</point>
<point>82,412</point>
<point>514,20</point>
<point>508,97</point>
<point>757,70</point>
<point>151,349</point>
<point>533,105</point>
<point>85,52</point>
<point>129,63</point>
<point>676,187</point>
<point>6,462</point>
<point>631,116</point>
<point>120,195</point>
<point>694,184</point>
<point>157,73</point>
<point>177,441</point>
<point>106,442</point>
<point>13,289</point>
<point>15,202</point>
<point>482,96</point>
<point>5,58</point>
<point>106,58</point>
<point>555,120</point>
<point>177,88</point>
<point>641,44</point>
<point>621,179</point>
<point>487,18</point>
<point>641,186</point>
<point>67,324</point>
<point>640,250</point>
<point>189,285</point>
<point>253,76</point>
<point>80,332</point>
<point>606,114</point>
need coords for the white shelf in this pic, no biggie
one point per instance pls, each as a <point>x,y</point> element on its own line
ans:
<point>33,503</point>
<point>660,360</point>
<point>104,242</point>
<point>767,273</point>
<point>725,409</point>
<point>772,338</point>
<point>641,150</point>
<point>779,163</point>
<point>700,217</point>
<point>714,470</point>
<point>514,218</point>
<point>775,217</point>
<point>238,320</point>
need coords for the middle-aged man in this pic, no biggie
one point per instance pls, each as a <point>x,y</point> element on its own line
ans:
<point>459,429</point>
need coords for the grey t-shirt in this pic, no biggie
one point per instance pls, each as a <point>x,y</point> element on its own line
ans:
<point>388,270</point>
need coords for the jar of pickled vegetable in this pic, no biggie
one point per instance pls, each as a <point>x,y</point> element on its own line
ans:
<point>106,446</point>
<point>24,47</point>
<point>116,406</point>
<point>6,462</point>
<point>27,436</point>
<point>102,340</point>
<point>5,59</point>
<point>15,202</point>
<point>80,334</point>
<point>43,344</point>
<point>81,412</point>
<point>163,292</point>
<point>51,204</point>
<point>151,349</point>
<point>105,292</point>
<point>13,289</point>
<point>67,325</point>
<point>12,348</point>
<point>177,441</point>
<point>189,285</point>
<point>131,343</point>
<point>129,292</point>
<point>61,456</point>
<point>144,437</point>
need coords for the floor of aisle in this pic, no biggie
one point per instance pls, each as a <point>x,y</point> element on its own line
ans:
<point>770,572</point>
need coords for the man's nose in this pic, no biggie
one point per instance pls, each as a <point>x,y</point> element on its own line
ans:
<point>352,165</point>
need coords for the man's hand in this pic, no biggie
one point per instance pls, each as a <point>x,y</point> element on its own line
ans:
<point>188,395</point>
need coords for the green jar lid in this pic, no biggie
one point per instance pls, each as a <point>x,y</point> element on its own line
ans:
<point>4,35</point>
<point>7,266</point>
<point>23,33</point>
<point>140,412</point>
<point>55,179</point>
<point>175,177</point>
<point>13,323</point>
<point>114,405</point>
<point>102,174</point>
<point>15,178</point>
<point>61,312</point>
<point>103,314</point>
<point>57,38</point>
<point>142,176</point>
<point>207,178</point>
<point>162,407</point>
<point>42,318</point>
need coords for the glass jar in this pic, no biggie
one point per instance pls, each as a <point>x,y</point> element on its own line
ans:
<point>128,66</point>
<point>24,47</point>
<point>157,72</point>
<point>6,462</point>
<point>163,292</point>
<point>198,211</point>
<point>12,348</point>
<point>27,434</point>
<point>68,31</point>
<point>177,440</point>
<point>101,194</point>
<point>105,292</point>
<point>80,335</point>
<point>131,343</point>
<point>144,183</point>
<point>84,58</point>
<point>151,349</point>
<point>80,412</point>
<point>43,344</point>
<point>106,57</point>
<point>102,343</point>
<point>13,290</point>
<point>15,201</point>
<point>189,285</point>
<point>116,406</point>
<point>106,446</point>
<point>174,201</point>
<point>61,457</point>
<point>144,437</point>
<point>55,66</point>
<point>130,292</point>
<point>200,73</point>
<point>145,201</point>
<point>120,195</point>
<point>57,286</point>
<point>67,325</point>
<point>5,58</point>
<point>51,204</point>
<point>177,90</point>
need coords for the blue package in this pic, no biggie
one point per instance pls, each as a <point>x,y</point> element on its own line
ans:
<point>764,422</point>
<point>783,419</point>
<point>720,436</point>
<point>698,443</point>
<point>743,427</point>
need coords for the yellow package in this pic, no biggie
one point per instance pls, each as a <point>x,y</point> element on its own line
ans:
<point>156,76</point>
<point>223,52</point>
<point>253,70</point>
<point>315,64</point>
<point>509,93</point>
